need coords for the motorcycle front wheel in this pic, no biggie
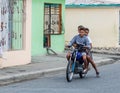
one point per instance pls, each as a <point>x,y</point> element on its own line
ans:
<point>69,72</point>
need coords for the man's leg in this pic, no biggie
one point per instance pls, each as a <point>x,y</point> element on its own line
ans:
<point>68,56</point>
<point>85,63</point>
<point>93,64</point>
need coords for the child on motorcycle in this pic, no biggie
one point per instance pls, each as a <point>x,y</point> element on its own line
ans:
<point>82,39</point>
<point>86,33</point>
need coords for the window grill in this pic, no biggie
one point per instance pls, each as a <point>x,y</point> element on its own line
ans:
<point>52,19</point>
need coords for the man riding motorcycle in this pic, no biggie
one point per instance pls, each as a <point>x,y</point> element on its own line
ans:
<point>82,39</point>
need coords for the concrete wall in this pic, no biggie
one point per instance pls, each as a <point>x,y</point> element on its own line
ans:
<point>20,57</point>
<point>102,22</point>
<point>57,41</point>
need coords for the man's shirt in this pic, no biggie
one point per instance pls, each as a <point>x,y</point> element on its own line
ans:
<point>80,40</point>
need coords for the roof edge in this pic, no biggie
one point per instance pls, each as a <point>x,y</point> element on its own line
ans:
<point>91,5</point>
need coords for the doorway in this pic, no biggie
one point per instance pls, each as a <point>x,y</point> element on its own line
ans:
<point>52,22</point>
<point>47,25</point>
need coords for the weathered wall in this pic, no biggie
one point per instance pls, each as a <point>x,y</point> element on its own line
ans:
<point>102,22</point>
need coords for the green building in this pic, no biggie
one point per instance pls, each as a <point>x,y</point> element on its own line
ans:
<point>47,26</point>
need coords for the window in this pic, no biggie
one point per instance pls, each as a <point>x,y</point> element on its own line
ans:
<point>52,19</point>
<point>12,14</point>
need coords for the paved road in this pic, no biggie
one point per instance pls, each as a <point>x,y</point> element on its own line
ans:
<point>109,82</point>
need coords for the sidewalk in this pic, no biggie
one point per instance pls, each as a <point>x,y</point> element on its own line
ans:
<point>41,66</point>
<point>110,51</point>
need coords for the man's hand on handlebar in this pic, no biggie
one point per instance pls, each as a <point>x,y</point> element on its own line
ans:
<point>67,46</point>
<point>86,47</point>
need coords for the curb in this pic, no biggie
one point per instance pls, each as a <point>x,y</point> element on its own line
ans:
<point>105,62</point>
<point>27,75</point>
<point>105,52</point>
<point>41,73</point>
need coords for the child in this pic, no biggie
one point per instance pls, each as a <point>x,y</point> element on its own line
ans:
<point>86,33</point>
<point>89,51</point>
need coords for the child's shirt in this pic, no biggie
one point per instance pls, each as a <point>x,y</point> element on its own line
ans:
<point>90,41</point>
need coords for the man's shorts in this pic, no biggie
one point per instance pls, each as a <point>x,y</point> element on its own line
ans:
<point>84,54</point>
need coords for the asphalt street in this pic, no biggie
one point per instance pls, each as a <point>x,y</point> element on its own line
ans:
<point>109,82</point>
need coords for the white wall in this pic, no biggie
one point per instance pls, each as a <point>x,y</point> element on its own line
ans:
<point>102,22</point>
<point>20,57</point>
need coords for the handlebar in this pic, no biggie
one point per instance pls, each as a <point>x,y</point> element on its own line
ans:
<point>79,47</point>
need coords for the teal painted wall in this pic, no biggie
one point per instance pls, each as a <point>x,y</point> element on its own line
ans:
<point>57,41</point>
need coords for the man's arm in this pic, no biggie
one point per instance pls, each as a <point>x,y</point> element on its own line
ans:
<point>72,41</point>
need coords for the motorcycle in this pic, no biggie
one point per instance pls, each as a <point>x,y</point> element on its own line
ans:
<point>75,64</point>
